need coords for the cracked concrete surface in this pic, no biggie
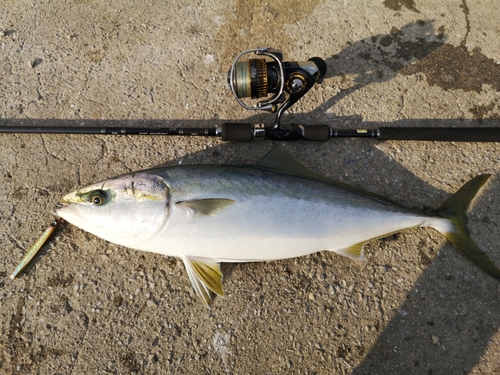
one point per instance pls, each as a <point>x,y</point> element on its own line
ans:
<point>87,306</point>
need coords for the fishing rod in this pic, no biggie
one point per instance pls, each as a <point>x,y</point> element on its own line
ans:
<point>239,132</point>
<point>267,83</point>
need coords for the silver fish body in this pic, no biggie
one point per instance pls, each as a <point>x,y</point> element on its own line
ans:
<point>275,215</point>
<point>275,210</point>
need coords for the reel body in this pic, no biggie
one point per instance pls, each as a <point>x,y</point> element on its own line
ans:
<point>286,82</point>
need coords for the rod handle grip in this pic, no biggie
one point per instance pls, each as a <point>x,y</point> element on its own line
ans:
<point>319,133</point>
<point>237,132</point>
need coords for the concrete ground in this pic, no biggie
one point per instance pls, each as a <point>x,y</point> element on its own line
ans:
<point>91,307</point>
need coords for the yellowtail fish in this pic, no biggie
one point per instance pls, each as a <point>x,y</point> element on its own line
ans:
<point>207,214</point>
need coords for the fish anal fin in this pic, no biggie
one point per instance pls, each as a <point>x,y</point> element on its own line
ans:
<point>208,206</point>
<point>354,251</point>
<point>205,276</point>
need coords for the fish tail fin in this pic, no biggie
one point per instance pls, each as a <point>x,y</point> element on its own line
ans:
<point>455,210</point>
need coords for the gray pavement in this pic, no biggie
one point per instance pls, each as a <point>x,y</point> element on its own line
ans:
<point>91,307</point>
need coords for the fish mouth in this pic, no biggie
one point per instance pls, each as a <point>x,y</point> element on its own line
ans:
<point>66,201</point>
<point>58,206</point>
<point>69,209</point>
<point>61,204</point>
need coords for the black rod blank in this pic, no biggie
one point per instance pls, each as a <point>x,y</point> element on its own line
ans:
<point>115,130</point>
<point>237,132</point>
<point>440,134</point>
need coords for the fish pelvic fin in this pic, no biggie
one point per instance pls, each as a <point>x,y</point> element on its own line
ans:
<point>455,210</point>
<point>205,276</point>
<point>208,207</point>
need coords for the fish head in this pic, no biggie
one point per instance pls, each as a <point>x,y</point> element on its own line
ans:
<point>127,210</point>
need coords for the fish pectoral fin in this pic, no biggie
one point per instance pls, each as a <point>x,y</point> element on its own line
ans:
<point>354,251</point>
<point>205,276</point>
<point>208,206</point>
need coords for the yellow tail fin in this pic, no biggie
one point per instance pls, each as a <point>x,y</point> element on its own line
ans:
<point>455,209</point>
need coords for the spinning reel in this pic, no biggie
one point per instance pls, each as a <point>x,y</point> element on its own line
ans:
<point>277,84</point>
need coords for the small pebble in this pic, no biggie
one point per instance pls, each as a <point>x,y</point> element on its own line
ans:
<point>27,336</point>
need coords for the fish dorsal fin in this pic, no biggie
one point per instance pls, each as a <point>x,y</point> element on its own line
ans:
<point>281,159</point>
<point>354,251</point>
<point>208,207</point>
<point>205,276</point>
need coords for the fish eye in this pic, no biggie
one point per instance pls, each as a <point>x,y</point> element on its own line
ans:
<point>99,197</point>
